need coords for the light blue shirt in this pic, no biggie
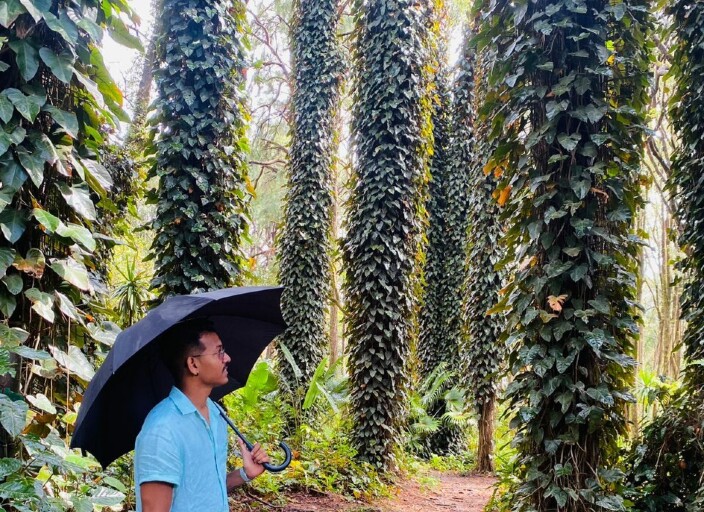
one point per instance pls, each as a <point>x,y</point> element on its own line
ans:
<point>177,446</point>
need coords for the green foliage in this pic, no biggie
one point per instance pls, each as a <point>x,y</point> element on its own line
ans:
<point>566,100</point>
<point>304,257</point>
<point>444,270</point>
<point>200,146</point>
<point>323,453</point>
<point>684,181</point>
<point>425,421</point>
<point>665,467</point>
<point>390,128</point>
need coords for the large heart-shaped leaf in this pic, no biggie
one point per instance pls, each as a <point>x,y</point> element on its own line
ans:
<point>78,197</point>
<point>47,220</point>
<point>33,163</point>
<point>73,272</point>
<point>30,353</point>
<point>36,8</point>
<point>12,336</point>
<point>7,257</point>
<point>42,403</point>
<point>78,234</point>
<point>13,415</point>
<point>7,304</point>
<point>67,120</point>
<point>92,29</point>
<point>74,361</point>
<point>9,11</point>
<point>61,65</point>
<point>99,174</point>
<point>33,264</point>
<point>9,466</point>
<point>105,332</point>
<point>6,108</point>
<point>13,283</point>
<point>27,58</point>
<point>28,105</point>
<point>12,224</point>
<point>12,176</point>
<point>42,303</point>
<point>67,307</point>
<point>62,25</point>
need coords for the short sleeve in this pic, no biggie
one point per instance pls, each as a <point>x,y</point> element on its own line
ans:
<point>158,457</point>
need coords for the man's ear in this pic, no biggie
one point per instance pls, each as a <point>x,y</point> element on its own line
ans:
<point>192,365</point>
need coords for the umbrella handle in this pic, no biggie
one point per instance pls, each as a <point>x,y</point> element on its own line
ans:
<point>269,467</point>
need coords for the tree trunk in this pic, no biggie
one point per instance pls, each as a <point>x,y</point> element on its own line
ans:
<point>485,447</point>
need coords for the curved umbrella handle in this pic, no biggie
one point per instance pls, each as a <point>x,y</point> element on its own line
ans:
<point>267,466</point>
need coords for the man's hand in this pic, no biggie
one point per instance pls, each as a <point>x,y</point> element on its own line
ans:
<point>253,461</point>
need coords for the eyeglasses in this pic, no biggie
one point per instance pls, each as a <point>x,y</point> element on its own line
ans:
<point>220,353</point>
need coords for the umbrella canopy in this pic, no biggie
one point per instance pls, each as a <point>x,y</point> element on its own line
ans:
<point>133,378</point>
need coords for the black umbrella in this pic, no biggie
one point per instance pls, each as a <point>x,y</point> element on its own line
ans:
<point>133,378</point>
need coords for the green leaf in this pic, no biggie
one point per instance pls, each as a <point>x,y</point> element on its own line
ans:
<point>67,307</point>
<point>33,264</point>
<point>78,197</point>
<point>62,25</point>
<point>12,176</point>
<point>67,120</point>
<point>92,29</point>
<point>27,58</point>
<point>30,353</point>
<point>33,163</point>
<point>106,497</point>
<point>60,65</point>
<point>6,107</point>
<point>78,234</point>
<point>13,415</point>
<point>9,11</point>
<point>73,272</point>
<point>12,225</point>
<point>27,105</point>
<point>7,304</point>
<point>569,142</point>
<point>7,257</point>
<point>74,361</point>
<point>42,303</point>
<point>106,333</point>
<point>36,8</point>
<point>98,176</point>
<point>42,403</point>
<point>11,336</point>
<point>13,283</point>
<point>8,467</point>
<point>121,34</point>
<point>601,304</point>
<point>46,219</point>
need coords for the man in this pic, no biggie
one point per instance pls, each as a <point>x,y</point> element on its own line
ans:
<point>181,451</point>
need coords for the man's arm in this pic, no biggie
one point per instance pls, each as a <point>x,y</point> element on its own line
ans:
<point>252,464</point>
<point>157,496</point>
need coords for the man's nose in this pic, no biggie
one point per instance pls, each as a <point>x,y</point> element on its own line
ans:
<point>227,358</point>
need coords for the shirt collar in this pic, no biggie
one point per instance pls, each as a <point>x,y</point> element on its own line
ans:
<point>182,402</point>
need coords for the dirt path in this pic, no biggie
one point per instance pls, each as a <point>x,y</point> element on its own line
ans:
<point>442,492</point>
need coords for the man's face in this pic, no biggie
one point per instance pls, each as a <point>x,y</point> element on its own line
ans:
<point>212,360</point>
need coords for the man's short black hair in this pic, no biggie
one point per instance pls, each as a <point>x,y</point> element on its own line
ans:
<point>180,341</point>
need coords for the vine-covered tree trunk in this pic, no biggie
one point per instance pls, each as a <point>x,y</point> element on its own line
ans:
<point>390,130</point>
<point>685,180</point>
<point>482,352</point>
<point>440,316</point>
<point>305,242</point>
<point>569,94</point>
<point>200,147</point>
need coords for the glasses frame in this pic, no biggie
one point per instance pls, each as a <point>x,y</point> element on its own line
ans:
<point>220,353</point>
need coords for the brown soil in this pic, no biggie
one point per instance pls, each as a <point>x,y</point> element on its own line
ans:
<point>443,492</point>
